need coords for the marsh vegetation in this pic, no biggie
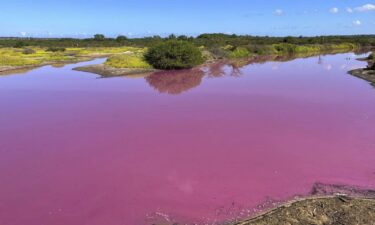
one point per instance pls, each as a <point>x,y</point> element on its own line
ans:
<point>172,52</point>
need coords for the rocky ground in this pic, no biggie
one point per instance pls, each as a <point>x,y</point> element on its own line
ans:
<point>368,73</point>
<point>328,204</point>
<point>339,210</point>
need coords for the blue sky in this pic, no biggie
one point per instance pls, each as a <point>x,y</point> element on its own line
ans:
<point>81,18</point>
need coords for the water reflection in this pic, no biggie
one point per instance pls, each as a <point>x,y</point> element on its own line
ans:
<point>175,82</point>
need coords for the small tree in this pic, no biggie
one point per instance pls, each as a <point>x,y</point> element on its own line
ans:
<point>99,37</point>
<point>174,54</point>
<point>183,37</point>
<point>172,37</point>
<point>19,44</point>
<point>121,38</point>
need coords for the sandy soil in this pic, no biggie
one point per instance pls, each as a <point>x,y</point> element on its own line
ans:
<point>107,71</point>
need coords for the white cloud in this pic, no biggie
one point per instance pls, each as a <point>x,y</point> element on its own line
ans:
<point>357,23</point>
<point>23,33</point>
<point>349,10</point>
<point>278,12</point>
<point>365,8</point>
<point>334,10</point>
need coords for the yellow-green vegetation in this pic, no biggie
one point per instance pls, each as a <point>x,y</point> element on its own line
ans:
<point>129,60</point>
<point>280,49</point>
<point>35,56</point>
<point>240,52</point>
<point>285,48</point>
<point>28,57</point>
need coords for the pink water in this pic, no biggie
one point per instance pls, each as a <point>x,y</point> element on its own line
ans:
<point>189,147</point>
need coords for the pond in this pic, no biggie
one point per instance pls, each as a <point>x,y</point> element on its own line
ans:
<point>204,146</point>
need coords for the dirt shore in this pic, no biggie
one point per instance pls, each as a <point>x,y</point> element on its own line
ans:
<point>365,73</point>
<point>327,204</point>
<point>337,210</point>
<point>8,70</point>
<point>107,71</point>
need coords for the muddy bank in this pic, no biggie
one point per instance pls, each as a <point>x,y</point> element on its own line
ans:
<point>8,70</point>
<point>329,204</point>
<point>368,73</point>
<point>335,210</point>
<point>107,71</point>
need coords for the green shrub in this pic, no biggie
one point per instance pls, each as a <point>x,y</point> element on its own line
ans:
<point>219,53</point>
<point>284,48</point>
<point>55,49</point>
<point>261,49</point>
<point>174,54</point>
<point>121,38</point>
<point>127,61</point>
<point>28,51</point>
<point>372,56</point>
<point>19,44</point>
<point>239,53</point>
<point>99,37</point>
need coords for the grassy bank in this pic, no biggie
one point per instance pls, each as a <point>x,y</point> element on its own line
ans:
<point>128,60</point>
<point>36,56</point>
<point>232,52</point>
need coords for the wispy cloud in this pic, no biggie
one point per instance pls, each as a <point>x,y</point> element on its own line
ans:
<point>357,23</point>
<point>365,8</point>
<point>334,10</point>
<point>278,12</point>
<point>349,10</point>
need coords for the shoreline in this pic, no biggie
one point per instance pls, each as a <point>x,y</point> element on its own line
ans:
<point>9,70</point>
<point>106,71</point>
<point>327,209</point>
<point>325,204</point>
<point>365,73</point>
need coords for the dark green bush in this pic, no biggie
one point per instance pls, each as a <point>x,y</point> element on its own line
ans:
<point>99,37</point>
<point>19,44</point>
<point>28,51</point>
<point>55,49</point>
<point>174,54</point>
<point>121,38</point>
<point>372,56</point>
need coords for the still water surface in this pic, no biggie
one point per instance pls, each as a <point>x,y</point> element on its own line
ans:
<point>202,146</point>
